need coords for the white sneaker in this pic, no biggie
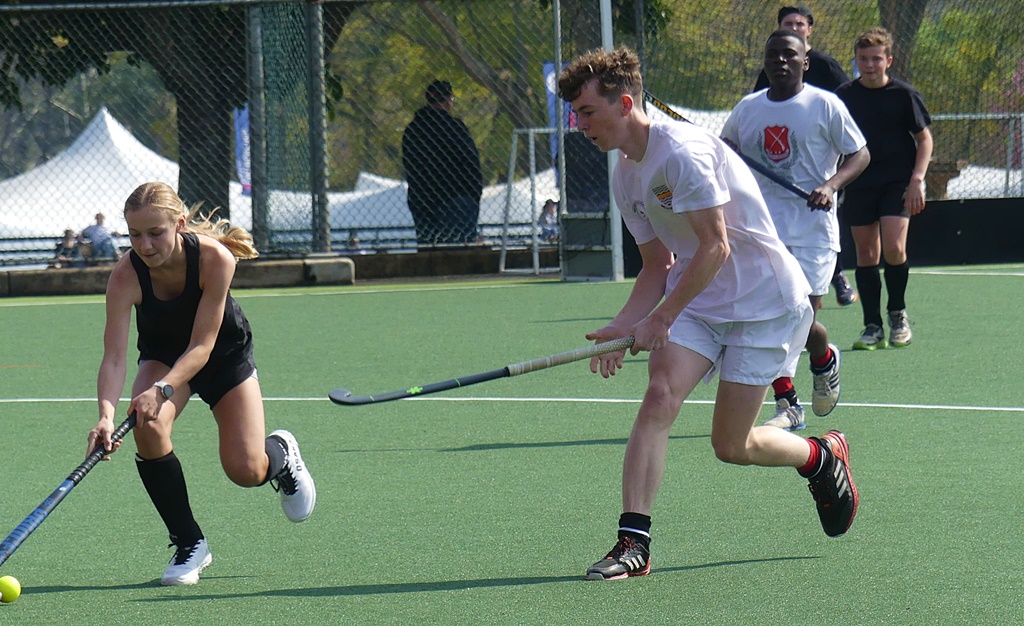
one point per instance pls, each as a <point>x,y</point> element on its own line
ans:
<point>899,329</point>
<point>787,417</point>
<point>873,338</point>
<point>298,493</point>
<point>826,385</point>
<point>187,563</point>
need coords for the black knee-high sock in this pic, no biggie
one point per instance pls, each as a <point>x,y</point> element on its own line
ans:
<point>165,484</point>
<point>896,277</point>
<point>869,284</point>
<point>276,454</point>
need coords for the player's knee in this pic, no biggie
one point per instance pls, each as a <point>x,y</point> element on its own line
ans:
<point>245,472</point>
<point>731,451</point>
<point>661,401</point>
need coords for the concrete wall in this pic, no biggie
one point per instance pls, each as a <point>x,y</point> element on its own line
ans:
<point>312,270</point>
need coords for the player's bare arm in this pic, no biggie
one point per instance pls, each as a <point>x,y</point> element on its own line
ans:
<point>123,293</point>
<point>648,291</point>
<point>216,269</point>
<point>712,251</point>
<point>915,198</point>
<point>852,166</point>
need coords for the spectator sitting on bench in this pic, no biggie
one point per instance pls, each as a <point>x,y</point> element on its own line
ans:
<point>67,252</point>
<point>101,242</point>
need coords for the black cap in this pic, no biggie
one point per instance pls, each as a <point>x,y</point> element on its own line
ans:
<point>438,91</point>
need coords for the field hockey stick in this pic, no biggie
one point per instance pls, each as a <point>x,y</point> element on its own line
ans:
<point>344,396</point>
<point>751,163</point>
<point>32,522</point>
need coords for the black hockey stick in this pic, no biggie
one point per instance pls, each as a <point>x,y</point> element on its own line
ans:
<point>344,396</point>
<point>751,163</point>
<point>36,517</point>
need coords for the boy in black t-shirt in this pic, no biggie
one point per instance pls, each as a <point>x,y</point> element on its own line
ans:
<point>880,203</point>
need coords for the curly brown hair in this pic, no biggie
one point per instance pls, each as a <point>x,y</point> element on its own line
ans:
<point>874,37</point>
<point>617,72</point>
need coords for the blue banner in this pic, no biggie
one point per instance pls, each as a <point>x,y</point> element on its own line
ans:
<point>551,87</point>
<point>243,159</point>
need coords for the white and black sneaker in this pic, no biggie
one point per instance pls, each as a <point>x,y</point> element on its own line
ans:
<point>186,564</point>
<point>627,558</point>
<point>787,416</point>
<point>298,493</point>
<point>826,384</point>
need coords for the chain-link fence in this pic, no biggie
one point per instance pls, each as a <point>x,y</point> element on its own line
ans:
<point>225,101</point>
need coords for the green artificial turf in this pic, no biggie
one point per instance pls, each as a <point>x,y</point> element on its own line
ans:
<point>485,505</point>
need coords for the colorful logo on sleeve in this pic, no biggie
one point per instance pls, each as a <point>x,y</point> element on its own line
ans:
<point>776,143</point>
<point>664,195</point>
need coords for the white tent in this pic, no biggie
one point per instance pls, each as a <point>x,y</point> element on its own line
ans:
<point>105,163</point>
<point>94,175</point>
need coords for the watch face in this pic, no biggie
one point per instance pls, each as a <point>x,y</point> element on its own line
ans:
<point>166,391</point>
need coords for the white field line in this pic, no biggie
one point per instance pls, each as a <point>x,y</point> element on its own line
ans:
<point>863,405</point>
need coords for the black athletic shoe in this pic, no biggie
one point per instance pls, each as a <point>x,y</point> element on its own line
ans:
<point>627,558</point>
<point>845,293</point>
<point>833,489</point>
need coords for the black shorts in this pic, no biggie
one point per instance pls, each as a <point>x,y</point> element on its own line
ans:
<point>864,206</point>
<point>218,376</point>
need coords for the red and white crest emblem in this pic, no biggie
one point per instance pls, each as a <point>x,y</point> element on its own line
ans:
<point>776,143</point>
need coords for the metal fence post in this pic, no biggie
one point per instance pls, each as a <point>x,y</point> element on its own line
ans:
<point>321,223</point>
<point>258,132</point>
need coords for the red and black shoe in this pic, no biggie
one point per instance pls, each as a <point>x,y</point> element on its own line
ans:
<point>627,558</point>
<point>834,493</point>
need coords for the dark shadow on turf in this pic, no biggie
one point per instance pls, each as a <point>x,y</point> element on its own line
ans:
<point>448,585</point>
<point>149,584</point>
<point>619,441</point>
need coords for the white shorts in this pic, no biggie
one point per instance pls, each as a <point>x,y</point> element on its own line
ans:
<point>818,264</point>
<point>750,353</point>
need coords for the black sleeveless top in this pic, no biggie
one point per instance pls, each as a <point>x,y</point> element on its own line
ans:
<point>165,326</point>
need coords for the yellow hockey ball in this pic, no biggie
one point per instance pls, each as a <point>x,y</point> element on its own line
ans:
<point>10,589</point>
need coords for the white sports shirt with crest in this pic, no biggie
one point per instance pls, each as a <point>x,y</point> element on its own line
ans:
<point>684,169</point>
<point>801,139</point>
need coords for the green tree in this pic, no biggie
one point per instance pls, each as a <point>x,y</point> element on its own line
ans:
<point>903,19</point>
<point>389,52</point>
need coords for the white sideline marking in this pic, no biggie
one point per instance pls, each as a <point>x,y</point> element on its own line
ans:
<point>862,405</point>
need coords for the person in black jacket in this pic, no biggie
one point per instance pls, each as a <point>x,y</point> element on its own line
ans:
<point>823,71</point>
<point>442,166</point>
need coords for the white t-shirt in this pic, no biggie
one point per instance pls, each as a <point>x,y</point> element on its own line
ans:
<point>686,169</point>
<point>801,139</point>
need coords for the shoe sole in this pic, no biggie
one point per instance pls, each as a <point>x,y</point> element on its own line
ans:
<point>839,365</point>
<point>902,344</point>
<point>881,345</point>
<point>840,447</point>
<point>852,300</point>
<point>599,576</point>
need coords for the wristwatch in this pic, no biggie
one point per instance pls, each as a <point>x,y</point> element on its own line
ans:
<point>166,390</point>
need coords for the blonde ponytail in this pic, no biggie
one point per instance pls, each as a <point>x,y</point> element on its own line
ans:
<point>160,196</point>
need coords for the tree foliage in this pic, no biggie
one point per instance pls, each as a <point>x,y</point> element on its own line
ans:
<point>199,52</point>
<point>963,55</point>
